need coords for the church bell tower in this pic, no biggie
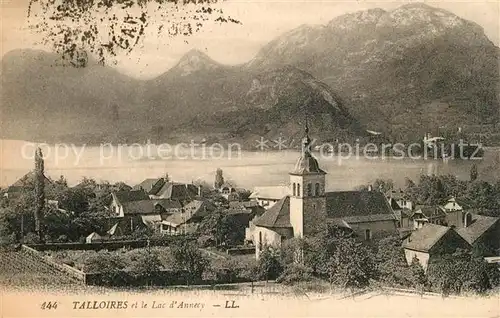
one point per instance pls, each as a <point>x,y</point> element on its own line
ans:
<point>307,193</point>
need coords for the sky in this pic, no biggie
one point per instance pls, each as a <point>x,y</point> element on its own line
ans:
<point>234,44</point>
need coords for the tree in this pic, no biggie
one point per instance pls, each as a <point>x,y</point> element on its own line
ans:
<point>391,263</point>
<point>219,178</point>
<point>109,265</point>
<point>146,265</point>
<point>417,275</point>
<point>352,265</point>
<point>189,258</point>
<point>473,172</point>
<point>269,266</point>
<point>39,192</point>
<point>106,28</point>
<point>462,271</point>
<point>383,185</point>
<point>222,228</point>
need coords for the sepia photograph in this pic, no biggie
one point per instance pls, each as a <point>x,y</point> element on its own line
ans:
<point>249,158</point>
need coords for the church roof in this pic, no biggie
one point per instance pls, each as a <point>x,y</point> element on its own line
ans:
<point>307,164</point>
<point>357,203</point>
<point>278,216</point>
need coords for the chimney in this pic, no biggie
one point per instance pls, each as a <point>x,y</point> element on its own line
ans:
<point>467,219</point>
<point>370,188</point>
<point>199,190</point>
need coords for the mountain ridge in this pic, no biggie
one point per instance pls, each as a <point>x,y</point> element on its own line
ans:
<point>400,72</point>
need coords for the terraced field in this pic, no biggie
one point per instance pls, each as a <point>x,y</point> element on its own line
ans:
<point>20,270</point>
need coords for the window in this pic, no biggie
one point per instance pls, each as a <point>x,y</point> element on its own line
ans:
<point>309,190</point>
<point>294,189</point>
<point>298,189</point>
<point>368,235</point>
<point>316,190</point>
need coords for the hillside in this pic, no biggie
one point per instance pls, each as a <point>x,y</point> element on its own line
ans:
<point>416,67</point>
<point>403,72</point>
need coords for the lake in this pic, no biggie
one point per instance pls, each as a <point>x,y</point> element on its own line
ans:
<point>245,169</point>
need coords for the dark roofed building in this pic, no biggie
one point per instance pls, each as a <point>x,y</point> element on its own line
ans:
<point>128,196</point>
<point>186,220</point>
<point>14,190</point>
<point>150,185</point>
<point>161,188</point>
<point>278,216</point>
<point>431,240</point>
<point>355,203</point>
<point>482,232</point>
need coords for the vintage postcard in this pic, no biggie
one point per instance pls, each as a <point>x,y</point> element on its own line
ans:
<point>244,158</point>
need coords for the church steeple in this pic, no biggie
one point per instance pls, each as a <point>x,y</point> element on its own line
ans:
<point>307,192</point>
<point>307,164</point>
<point>306,142</point>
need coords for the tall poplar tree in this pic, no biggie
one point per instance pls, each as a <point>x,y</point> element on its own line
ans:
<point>39,192</point>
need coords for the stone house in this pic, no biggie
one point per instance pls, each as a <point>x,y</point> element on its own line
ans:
<point>268,196</point>
<point>481,232</point>
<point>431,240</point>
<point>161,188</point>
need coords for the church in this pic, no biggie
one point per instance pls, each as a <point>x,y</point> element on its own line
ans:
<point>308,209</point>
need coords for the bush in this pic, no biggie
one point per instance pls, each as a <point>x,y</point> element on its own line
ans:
<point>462,272</point>
<point>31,238</point>
<point>109,265</point>
<point>352,265</point>
<point>146,265</point>
<point>269,266</point>
<point>295,273</point>
<point>189,258</point>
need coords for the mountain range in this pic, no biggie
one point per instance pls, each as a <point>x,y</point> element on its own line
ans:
<point>402,72</point>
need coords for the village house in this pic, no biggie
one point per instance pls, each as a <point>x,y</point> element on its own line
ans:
<point>186,220</point>
<point>481,232</point>
<point>398,198</point>
<point>308,209</point>
<point>268,196</point>
<point>428,214</point>
<point>17,188</point>
<point>432,240</point>
<point>162,188</point>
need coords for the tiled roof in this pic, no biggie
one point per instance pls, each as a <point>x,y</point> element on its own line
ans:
<point>244,204</point>
<point>151,185</point>
<point>138,207</point>
<point>367,218</point>
<point>479,225</point>
<point>394,204</point>
<point>356,203</point>
<point>21,182</point>
<point>272,192</point>
<point>177,191</point>
<point>232,211</point>
<point>167,204</point>
<point>431,211</point>
<point>278,216</point>
<point>128,196</point>
<point>123,225</point>
<point>195,208</point>
<point>426,237</point>
<point>151,220</point>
